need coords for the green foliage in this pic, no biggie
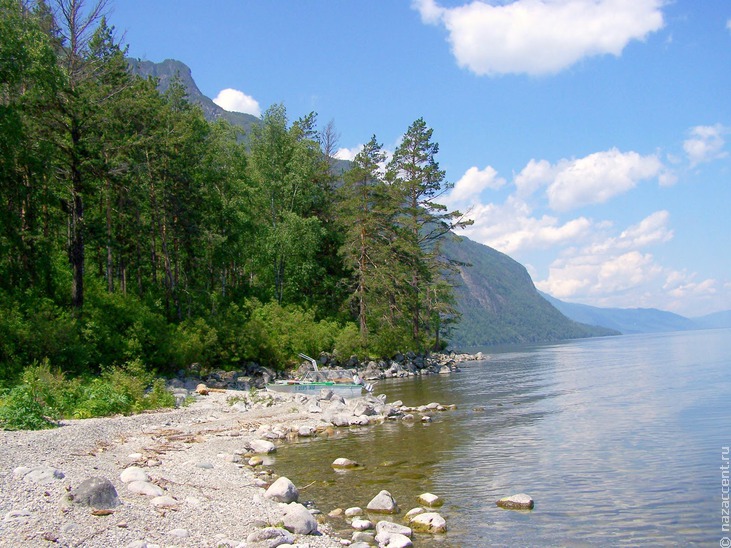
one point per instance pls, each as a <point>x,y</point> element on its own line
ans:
<point>284,331</point>
<point>349,342</point>
<point>20,410</point>
<point>45,395</point>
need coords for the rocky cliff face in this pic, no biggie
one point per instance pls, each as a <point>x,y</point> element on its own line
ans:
<point>166,71</point>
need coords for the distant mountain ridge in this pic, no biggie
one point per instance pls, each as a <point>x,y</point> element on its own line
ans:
<point>638,320</point>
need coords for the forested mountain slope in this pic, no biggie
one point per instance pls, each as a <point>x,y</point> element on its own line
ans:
<point>500,305</point>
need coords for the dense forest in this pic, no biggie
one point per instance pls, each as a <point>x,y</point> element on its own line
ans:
<point>135,231</point>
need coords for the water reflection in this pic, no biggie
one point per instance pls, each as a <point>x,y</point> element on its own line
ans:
<point>616,439</point>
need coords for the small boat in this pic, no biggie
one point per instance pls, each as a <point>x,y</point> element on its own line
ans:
<point>342,382</point>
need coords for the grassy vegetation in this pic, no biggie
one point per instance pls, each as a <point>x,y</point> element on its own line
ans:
<point>45,395</point>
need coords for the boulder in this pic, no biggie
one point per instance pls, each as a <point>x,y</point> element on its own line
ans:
<point>429,522</point>
<point>340,419</point>
<point>298,519</point>
<point>345,464</point>
<point>282,490</point>
<point>383,503</point>
<point>521,501</point>
<point>271,537</point>
<point>353,511</point>
<point>262,446</point>
<point>391,527</point>
<point>97,493</point>
<point>429,499</point>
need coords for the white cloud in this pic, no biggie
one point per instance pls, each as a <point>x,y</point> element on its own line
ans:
<point>618,271</point>
<point>593,179</point>
<point>234,100</point>
<point>540,36</point>
<point>705,144</point>
<point>728,25</point>
<point>512,228</point>
<point>473,182</point>
<point>348,153</point>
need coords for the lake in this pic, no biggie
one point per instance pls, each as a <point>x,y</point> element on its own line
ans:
<point>619,440</point>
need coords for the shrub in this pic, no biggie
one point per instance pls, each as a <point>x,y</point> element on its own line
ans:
<point>46,394</point>
<point>20,410</point>
<point>349,342</point>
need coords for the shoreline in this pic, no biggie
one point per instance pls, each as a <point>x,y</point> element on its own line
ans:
<point>198,455</point>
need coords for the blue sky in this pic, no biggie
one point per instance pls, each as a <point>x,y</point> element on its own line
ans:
<point>587,138</point>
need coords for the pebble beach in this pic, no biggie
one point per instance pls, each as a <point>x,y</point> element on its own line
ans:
<point>208,494</point>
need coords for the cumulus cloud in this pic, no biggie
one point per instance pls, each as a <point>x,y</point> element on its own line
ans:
<point>594,179</point>
<point>473,182</point>
<point>619,271</point>
<point>348,154</point>
<point>512,227</point>
<point>540,36</point>
<point>705,144</point>
<point>234,100</point>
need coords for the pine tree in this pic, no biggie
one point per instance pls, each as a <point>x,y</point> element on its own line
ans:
<point>417,183</point>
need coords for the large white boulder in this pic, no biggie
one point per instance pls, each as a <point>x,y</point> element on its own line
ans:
<point>298,519</point>
<point>282,490</point>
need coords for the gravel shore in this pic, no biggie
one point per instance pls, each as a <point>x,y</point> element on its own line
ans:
<point>191,453</point>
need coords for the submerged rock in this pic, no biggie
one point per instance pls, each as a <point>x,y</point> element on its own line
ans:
<point>345,464</point>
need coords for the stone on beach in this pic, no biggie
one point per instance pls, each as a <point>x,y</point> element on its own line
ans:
<point>262,447</point>
<point>133,473</point>
<point>383,503</point>
<point>282,490</point>
<point>298,519</point>
<point>98,493</point>
<point>164,501</point>
<point>145,488</point>
<point>275,536</point>
<point>393,540</point>
<point>520,501</point>
<point>38,474</point>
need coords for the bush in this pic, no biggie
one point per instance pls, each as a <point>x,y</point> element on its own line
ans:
<point>349,342</point>
<point>20,410</point>
<point>279,333</point>
<point>45,395</point>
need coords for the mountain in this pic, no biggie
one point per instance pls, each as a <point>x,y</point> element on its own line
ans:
<point>624,320</point>
<point>500,305</point>
<point>714,321</point>
<point>166,71</point>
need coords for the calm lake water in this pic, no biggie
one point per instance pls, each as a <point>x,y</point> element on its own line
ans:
<point>618,440</point>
